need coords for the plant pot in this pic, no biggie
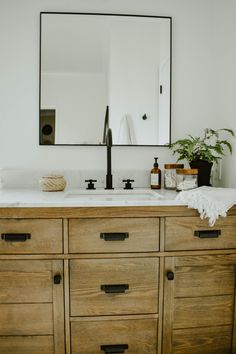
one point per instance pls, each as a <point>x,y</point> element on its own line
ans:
<point>204,171</point>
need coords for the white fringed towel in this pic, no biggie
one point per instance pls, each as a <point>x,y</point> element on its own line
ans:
<point>209,201</point>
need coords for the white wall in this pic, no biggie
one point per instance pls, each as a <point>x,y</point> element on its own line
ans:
<point>200,69</point>
<point>227,71</point>
<point>70,94</point>
<point>133,87</point>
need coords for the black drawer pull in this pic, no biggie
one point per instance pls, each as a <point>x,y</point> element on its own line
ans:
<point>114,288</point>
<point>114,349</point>
<point>15,237</point>
<point>57,279</point>
<point>207,233</point>
<point>114,236</point>
<point>170,275</point>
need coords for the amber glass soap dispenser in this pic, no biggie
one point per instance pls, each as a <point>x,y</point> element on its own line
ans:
<point>155,176</point>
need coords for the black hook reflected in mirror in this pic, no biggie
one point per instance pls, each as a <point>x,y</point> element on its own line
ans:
<point>144,117</point>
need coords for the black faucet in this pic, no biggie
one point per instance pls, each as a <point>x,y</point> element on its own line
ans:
<point>109,146</point>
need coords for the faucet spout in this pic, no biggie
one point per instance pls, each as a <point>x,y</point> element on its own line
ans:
<point>109,184</point>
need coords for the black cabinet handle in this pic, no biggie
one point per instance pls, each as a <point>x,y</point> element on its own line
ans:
<point>170,275</point>
<point>15,237</point>
<point>114,236</point>
<point>114,288</point>
<point>57,279</point>
<point>207,233</point>
<point>114,349</point>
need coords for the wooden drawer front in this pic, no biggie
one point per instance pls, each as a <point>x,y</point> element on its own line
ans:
<point>88,276</point>
<point>27,344</point>
<point>140,335</point>
<point>23,236</point>
<point>187,233</point>
<point>85,235</point>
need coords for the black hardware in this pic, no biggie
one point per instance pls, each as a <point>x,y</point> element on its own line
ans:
<point>15,237</point>
<point>160,89</point>
<point>109,169</point>
<point>57,279</point>
<point>90,183</point>
<point>207,233</point>
<point>128,184</point>
<point>106,125</point>
<point>114,236</point>
<point>170,275</point>
<point>114,349</point>
<point>107,140</point>
<point>114,288</point>
<point>144,117</point>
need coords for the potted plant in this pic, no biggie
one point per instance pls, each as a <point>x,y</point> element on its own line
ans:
<point>202,151</point>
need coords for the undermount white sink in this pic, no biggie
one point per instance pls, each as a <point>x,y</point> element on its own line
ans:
<point>114,195</point>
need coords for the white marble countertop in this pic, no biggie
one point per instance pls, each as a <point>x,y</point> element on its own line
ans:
<point>82,198</point>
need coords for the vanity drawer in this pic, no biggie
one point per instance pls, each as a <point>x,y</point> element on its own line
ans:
<point>114,286</point>
<point>122,336</point>
<point>103,235</point>
<point>192,233</point>
<point>34,236</point>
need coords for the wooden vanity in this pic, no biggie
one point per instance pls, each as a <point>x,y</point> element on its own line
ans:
<point>140,280</point>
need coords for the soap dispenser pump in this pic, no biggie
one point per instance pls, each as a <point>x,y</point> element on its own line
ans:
<point>155,176</point>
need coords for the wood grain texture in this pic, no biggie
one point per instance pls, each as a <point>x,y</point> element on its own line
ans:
<point>65,236</point>
<point>105,212</point>
<point>67,306</point>
<point>25,281</point>
<point>199,304</point>
<point>26,319</point>
<point>140,335</point>
<point>46,236</point>
<point>58,309</point>
<point>168,317</point>
<point>208,340</point>
<point>27,345</point>
<point>204,280</point>
<point>234,319</point>
<point>160,305</point>
<point>179,234</point>
<point>199,310</point>
<point>205,258</point>
<point>84,235</point>
<point>87,276</point>
<point>203,311</point>
<point>146,316</point>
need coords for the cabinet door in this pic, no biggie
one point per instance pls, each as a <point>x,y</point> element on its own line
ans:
<point>31,307</point>
<point>199,305</point>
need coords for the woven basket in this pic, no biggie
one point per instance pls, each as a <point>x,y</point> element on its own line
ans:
<point>52,183</point>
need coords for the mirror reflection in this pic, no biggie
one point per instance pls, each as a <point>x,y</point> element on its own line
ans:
<point>89,62</point>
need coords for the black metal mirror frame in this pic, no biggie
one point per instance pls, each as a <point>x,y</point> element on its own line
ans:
<point>103,14</point>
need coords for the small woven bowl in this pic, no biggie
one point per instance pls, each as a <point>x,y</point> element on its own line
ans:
<point>52,183</point>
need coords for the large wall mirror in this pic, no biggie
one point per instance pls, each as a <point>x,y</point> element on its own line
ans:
<point>95,64</point>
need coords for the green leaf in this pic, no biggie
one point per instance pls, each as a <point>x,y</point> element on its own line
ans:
<point>208,146</point>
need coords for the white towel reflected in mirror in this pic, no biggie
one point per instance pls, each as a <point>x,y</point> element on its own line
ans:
<point>126,134</point>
